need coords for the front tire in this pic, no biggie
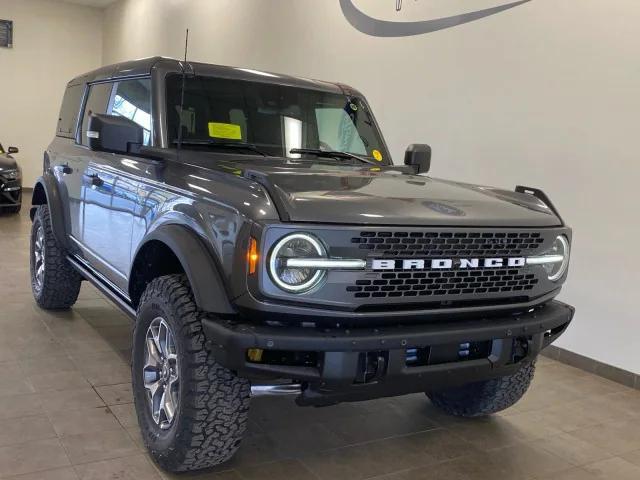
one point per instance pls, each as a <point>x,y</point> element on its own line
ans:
<point>486,397</point>
<point>206,416</point>
<point>54,282</point>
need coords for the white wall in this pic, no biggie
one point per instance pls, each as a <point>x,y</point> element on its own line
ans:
<point>53,42</point>
<point>546,94</point>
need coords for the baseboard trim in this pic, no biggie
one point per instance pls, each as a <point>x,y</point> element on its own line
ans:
<point>615,374</point>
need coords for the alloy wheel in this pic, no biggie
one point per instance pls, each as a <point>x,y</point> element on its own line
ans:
<point>160,373</point>
<point>38,258</point>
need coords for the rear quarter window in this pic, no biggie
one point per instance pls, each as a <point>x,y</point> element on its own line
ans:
<point>69,111</point>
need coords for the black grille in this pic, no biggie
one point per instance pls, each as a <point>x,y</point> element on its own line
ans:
<point>444,283</point>
<point>435,244</point>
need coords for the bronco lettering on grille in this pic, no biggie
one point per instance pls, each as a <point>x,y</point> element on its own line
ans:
<point>447,263</point>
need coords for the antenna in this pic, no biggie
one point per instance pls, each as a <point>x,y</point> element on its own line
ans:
<point>184,75</point>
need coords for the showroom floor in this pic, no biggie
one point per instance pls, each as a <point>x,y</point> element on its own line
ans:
<point>66,412</point>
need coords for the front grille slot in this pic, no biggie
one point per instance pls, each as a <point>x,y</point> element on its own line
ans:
<point>435,244</point>
<point>444,283</point>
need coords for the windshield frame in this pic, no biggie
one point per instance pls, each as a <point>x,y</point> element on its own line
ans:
<point>161,101</point>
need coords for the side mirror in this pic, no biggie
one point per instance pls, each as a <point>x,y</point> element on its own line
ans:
<point>418,156</point>
<point>115,134</point>
<point>13,150</point>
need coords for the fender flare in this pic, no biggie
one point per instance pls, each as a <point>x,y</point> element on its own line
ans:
<point>198,263</point>
<point>54,202</point>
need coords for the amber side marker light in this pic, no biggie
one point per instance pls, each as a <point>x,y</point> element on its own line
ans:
<point>255,354</point>
<point>252,255</point>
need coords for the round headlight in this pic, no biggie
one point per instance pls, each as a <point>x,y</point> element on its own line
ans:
<point>295,279</point>
<point>560,247</point>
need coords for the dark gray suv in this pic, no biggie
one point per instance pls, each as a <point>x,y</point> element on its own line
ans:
<point>255,228</point>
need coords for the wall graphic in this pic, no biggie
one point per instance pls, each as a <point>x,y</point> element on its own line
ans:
<point>386,28</point>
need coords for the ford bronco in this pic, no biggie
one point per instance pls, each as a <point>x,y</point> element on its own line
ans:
<point>255,228</point>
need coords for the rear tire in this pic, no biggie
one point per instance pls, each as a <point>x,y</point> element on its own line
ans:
<point>484,398</point>
<point>54,282</point>
<point>211,403</point>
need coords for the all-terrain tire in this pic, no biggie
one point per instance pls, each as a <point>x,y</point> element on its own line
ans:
<point>211,416</point>
<point>484,398</point>
<point>60,283</point>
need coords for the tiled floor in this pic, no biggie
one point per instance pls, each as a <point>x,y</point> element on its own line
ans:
<point>66,412</point>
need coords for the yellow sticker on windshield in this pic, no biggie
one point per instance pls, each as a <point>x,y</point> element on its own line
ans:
<point>377,155</point>
<point>228,131</point>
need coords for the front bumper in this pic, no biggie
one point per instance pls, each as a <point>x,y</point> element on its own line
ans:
<point>342,371</point>
<point>10,193</point>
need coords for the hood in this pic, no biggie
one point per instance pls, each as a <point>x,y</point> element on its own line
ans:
<point>328,192</point>
<point>321,193</point>
<point>7,162</point>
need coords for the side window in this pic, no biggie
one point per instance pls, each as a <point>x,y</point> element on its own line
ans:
<point>132,99</point>
<point>97,101</point>
<point>68,117</point>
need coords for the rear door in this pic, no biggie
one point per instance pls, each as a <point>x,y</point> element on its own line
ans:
<point>66,160</point>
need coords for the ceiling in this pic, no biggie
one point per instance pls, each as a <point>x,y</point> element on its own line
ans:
<point>90,3</point>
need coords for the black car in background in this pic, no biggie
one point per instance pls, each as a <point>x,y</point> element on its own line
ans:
<point>10,181</point>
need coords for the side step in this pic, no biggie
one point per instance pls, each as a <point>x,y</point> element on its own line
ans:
<point>102,284</point>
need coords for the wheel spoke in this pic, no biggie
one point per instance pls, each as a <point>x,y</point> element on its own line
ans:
<point>163,332</point>
<point>156,394</point>
<point>153,355</point>
<point>168,405</point>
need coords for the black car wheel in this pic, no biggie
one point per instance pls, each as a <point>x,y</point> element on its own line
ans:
<point>54,282</point>
<point>486,397</point>
<point>192,411</point>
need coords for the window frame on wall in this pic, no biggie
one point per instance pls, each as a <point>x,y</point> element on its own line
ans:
<point>113,83</point>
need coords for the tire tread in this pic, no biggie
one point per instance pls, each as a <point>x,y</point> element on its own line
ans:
<point>61,285</point>
<point>486,397</point>
<point>216,409</point>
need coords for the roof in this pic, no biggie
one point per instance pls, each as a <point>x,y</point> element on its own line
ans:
<point>146,66</point>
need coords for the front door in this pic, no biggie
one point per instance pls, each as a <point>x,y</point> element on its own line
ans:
<point>110,185</point>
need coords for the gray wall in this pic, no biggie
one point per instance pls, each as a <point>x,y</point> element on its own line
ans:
<point>546,94</point>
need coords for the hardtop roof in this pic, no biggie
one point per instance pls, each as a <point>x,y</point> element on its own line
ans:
<point>146,66</point>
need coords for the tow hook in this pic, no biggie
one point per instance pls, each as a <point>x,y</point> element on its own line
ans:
<point>372,366</point>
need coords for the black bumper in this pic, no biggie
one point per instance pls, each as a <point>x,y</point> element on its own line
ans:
<point>10,193</point>
<point>337,376</point>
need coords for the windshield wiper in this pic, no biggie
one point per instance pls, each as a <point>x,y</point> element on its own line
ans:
<point>331,153</point>
<point>229,145</point>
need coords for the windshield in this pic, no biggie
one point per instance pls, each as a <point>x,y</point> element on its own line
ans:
<point>274,119</point>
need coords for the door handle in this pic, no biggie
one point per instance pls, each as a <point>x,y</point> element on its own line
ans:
<point>94,179</point>
<point>66,170</point>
